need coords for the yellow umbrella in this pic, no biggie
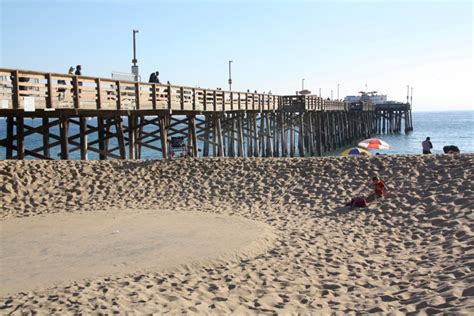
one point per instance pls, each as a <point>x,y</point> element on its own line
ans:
<point>356,151</point>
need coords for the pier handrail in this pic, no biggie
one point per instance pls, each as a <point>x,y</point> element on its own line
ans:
<point>30,90</point>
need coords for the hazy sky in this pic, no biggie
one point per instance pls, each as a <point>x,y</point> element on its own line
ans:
<point>274,44</point>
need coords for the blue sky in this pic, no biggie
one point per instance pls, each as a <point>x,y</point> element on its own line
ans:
<point>274,44</point>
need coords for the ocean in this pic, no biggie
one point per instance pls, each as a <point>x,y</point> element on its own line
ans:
<point>444,128</point>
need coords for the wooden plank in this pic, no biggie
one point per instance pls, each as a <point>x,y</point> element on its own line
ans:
<point>164,135</point>
<point>101,137</point>
<point>153,96</point>
<point>131,136</point>
<point>214,102</point>
<point>139,123</point>
<point>256,136</point>
<point>9,140</point>
<point>269,137</point>
<point>99,94</point>
<point>16,90</point>
<point>137,95</point>
<point>49,103</point>
<point>20,137</point>
<point>192,135</point>
<point>83,137</point>
<point>240,134</point>
<point>120,136</point>
<point>284,135</point>
<point>119,95</point>
<point>63,132</point>
<point>76,93</point>
<point>45,128</point>
<point>169,98</point>
<point>220,142</point>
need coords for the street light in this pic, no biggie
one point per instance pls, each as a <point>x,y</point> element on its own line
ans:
<point>302,84</point>
<point>338,90</point>
<point>134,60</point>
<point>331,94</point>
<point>230,75</point>
<point>319,92</point>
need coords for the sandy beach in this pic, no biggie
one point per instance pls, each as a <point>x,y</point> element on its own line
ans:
<point>235,235</point>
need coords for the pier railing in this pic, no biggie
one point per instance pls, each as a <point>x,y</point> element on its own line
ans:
<point>32,90</point>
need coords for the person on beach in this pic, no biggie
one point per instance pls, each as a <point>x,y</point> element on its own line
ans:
<point>427,146</point>
<point>357,202</point>
<point>379,189</point>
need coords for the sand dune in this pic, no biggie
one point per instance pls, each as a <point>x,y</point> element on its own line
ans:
<point>410,252</point>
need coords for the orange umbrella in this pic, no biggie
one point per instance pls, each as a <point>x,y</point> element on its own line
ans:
<point>374,143</point>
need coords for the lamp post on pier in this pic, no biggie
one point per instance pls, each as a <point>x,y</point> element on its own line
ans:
<point>134,60</point>
<point>302,84</point>
<point>338,90</point>
<point>230,75</point>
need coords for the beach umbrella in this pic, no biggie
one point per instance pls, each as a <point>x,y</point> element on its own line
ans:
<point>355,151</point>
<point>373,143</point>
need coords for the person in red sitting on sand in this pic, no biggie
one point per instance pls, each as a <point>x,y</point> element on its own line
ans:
<point>379,189</point>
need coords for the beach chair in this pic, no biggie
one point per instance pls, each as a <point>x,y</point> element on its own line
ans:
<point>178,147</point>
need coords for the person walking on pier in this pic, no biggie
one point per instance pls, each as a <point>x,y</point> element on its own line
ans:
<point>427,146</point>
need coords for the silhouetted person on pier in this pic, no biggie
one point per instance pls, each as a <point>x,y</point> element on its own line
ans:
<point>152,78</point>
<point>78,70</point>
<point>427,146</point>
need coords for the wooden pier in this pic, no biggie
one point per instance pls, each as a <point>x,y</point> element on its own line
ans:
<point>113,119</point>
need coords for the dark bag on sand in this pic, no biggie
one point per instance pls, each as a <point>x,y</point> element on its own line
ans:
<point>451,149</point>
<point>358,202</point>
